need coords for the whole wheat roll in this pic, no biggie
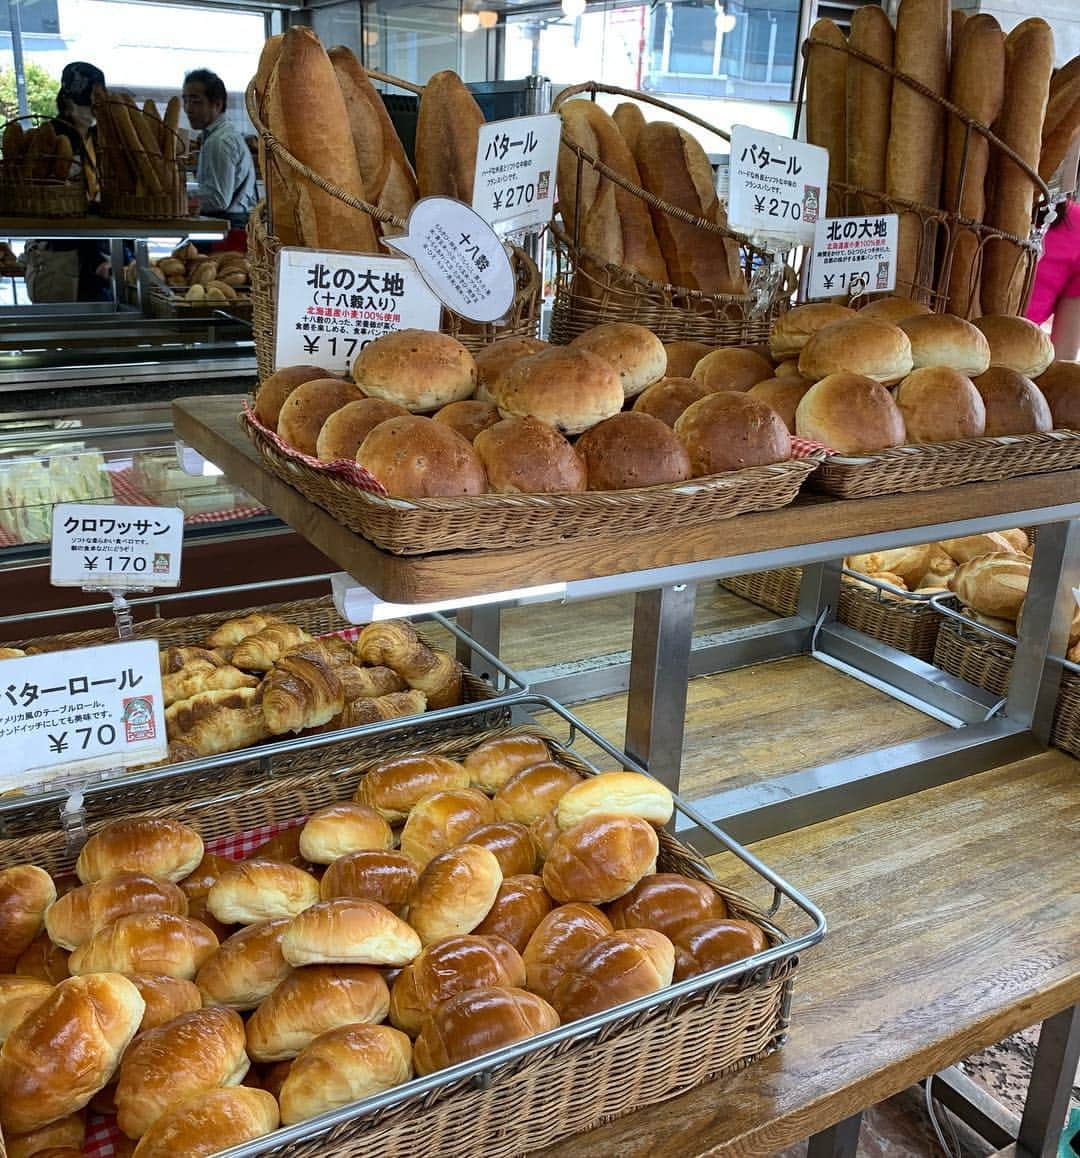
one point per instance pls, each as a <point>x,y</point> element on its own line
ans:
<point>826,103</point>
<point>869,95</point>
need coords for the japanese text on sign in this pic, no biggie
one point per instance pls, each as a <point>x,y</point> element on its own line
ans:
<point>116,547</point>
<point>777,185</point>
<point>82,711</point>
<point>514,183</point>
<point>331,305</point>
<point>853,255</point>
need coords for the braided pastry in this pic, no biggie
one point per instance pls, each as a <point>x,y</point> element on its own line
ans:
<point>430,670</point>
<point>233,631</point>
<point>261,651</point>
<point>302,691</point>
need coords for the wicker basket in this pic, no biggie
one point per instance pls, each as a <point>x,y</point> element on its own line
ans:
<point>147,182</point>
<point>38,193</point>
<point>164,303</point>
<point>637,1060</point>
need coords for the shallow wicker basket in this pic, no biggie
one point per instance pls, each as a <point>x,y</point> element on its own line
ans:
<point>164,303</point>
<point>24,195</point>
<point>142,184</point>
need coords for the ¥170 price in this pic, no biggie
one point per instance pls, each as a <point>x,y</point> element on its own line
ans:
<point>515,197</point>
<point>778,207</point>
<point>347,347</point>
<point>131,564</point>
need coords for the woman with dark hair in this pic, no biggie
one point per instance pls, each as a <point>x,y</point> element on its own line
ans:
<point>1056,293</point>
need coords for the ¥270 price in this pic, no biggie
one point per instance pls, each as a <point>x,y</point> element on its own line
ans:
<point>778,207</point>
<point>515,197</point>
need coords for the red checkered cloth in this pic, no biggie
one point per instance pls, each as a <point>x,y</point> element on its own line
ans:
<point>128,494</point>
<point>804,448</point>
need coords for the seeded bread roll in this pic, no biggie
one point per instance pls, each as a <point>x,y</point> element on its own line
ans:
<point>636,354</point>
<point>414,457</point>
<point>468,417</point>
<point>732,368</point>
<point>682,357</point>
<point>631,450</point>
<point>272,392</point>
<point>421,370</point>
<point>493,360</point>
<point>527,456</point>
<point>726,431</point>
<point>343,433</point>
<point>669,397</point>
<point>308,407</point>
<point>570,389</point>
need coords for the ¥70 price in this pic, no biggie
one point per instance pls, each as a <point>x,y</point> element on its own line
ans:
<point>778,207</point>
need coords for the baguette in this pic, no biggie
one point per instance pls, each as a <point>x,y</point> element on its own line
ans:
<point>14,142</point>
<point>280,180</point>
<point>63,156</point>
<point>631,120</point>
<point>447,129</point>
<point>869,95</point>
<point>1062,118</point>
<point>124,118</point>
<point>826,104</point>
<point>151,145</point>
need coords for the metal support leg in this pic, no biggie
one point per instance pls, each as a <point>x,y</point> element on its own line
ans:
<point>659,674</point>
<point>116,262</point>
<point>839,1141</point>
<point>820,590</point>
<point>1051,1083</point>
<point>484,625</point>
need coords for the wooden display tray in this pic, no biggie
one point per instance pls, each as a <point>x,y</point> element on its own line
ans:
<point>211,425</point>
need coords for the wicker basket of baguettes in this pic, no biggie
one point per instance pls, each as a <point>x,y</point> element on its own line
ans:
<point>407,915</point>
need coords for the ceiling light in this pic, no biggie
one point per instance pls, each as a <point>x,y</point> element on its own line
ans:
<point>469,21</point>
<point>573,8</point>
<point>488,19</point>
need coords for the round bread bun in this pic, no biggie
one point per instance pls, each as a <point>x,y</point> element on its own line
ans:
<point>631,450</point>
<point>468,417</point>
<point>850,414</point>
<point>416,458</point>
<point>783,395</point>
<point>1017,343</point>
<point>893,310</point>
<point>712,944</point>
<point>499,356</point>
<point>600,859</point>
<point>728,431</point>
<point>271,393</point>
<point>621,966</point>
<point>308,407</point>
<point>669,397</point>
<point>793,330</point>
<point>511,842</point>
<point>570,389</point>
<point>374,875</point>
<point>344,431</point>
<point>864,346</point>
<point>732,368</point>
<point>419,369</point>
<point>617,794</point>
<point>788,369</point>
<point>945,340</point>
<point>522,903</point>
<point>682,357</point>
<point>1014,404</point>
<point>526,456</point>
<point>636,354</point>
<point>1060,384</point>
<point>940,404</point>
<point>668,903</point>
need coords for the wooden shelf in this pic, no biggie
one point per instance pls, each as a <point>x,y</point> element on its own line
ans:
<point>103,228</point>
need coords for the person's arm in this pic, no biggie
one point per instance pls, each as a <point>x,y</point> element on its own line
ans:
<point>1066,330</point>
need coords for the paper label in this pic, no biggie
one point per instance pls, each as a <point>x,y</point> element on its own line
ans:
<point>79,711</point>
<point>514,184</point>
<point>460,257</point>
<point>121,548</point>
<point>778,186</point>
<point>331,305</point>
<point>853,255</point>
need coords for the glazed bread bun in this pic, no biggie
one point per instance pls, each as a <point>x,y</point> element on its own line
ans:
<point>43,960</point>
<point>1060,385</point>
<point>246,968</point>
<point>347,931</point>
<point>682,357</point>
<point>63,1138</point>
<point>528,794</point>
<point>711,944</point>
<point>939,404</point>
<point>396,787</point>
<point>468,417</point>
<point>893,310</point>
<point>600,859</point>
<point>632,450</point>
<point>18,996</point>
<point>343,433</point>
<point>729,431</point>
<point>478,1022</point>
<point>492,763</point>
<point>732,368</point>
<point>442,820</point>
<point>78,915</point>
<point>945,340</point>
<point>196,1052</point>
<point>271,393</point>
<point>793,330</point>
<point>455,892</point>
<point>545,832</point>
<point>993,585</point>
<point>339,829</point>
<point>416,458</point>
<point>636,354</point>
<point>1014,404</point>
<point>570,389</point>
<point>273,1076</point>
<point>260,890</point>
<point>521,904</point>
<point>858,346</point>
<point>198,883</point>
<point>622,966</point>
<point>284,846</point>
<point>26,892</point>
<point>1017,343</point>
<point>493,360</point>
<point>386,877</point>
<point>421,370</point>
<point>343,1066</point>
<point>211,1122</point>
<point>95,1019</point>
<point>617,794</point>
<point>559,938</point>
<point>666,902</point>
<point>165,998</point>
<point>850,414</point>
<point>783,395</point>
<point>158,943</point>
<point>312,1001</point>
<point>447,968</point>
<point>308,407</point>
<point>526,456</point>
<point>165,849</point>
<point>669,397</point>
<point>511,842</point>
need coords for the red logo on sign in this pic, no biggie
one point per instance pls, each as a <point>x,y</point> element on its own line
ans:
<point>138,719</point>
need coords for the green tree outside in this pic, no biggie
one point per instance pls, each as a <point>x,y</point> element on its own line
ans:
<point>41,90</point>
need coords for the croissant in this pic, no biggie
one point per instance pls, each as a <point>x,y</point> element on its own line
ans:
<point>11,652</point>
<point>261,651</point>
<point>364,683</point>
<point>185,714</point>
<point>371,710</point>
<point>203,676</point>
<point>175,658</point>
<point>301,692</point>
<point>232,631</point>
<point>430,670</point>
<point>223,730</point>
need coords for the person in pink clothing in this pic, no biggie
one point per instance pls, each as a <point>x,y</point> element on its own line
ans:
<point>1056,292</point>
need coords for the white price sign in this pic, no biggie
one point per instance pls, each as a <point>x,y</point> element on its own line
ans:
<point>331,305</point>
<point>514,184</point>
<point>853,255</point>
<point>778,186</point>
<point>81,711</point>
<point>94,545</point>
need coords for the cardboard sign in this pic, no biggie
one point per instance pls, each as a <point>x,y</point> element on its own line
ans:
<point>853,255</point>
<point>514,184</point>
<point>119,548</point>
<point>778,186</point>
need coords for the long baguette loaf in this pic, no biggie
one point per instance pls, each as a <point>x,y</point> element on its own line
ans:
<point>826,103</point>
<point>447,127</point>
<point>959,19</point>
<point>1029,61</point>
<point>631,120</point>
<point>869,96</point>
<point>1062,118</point>
<point>280,196</point>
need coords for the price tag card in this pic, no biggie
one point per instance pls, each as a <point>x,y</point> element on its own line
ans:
<point>331,305</point>
<point>80,711</point>
<point>116,547</point>
<point>514,185</point>
<point>853,255</point>
<point>778,185</point>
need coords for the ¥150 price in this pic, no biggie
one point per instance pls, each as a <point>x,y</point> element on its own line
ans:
<point>778,207</point>
<point>515,197</point>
